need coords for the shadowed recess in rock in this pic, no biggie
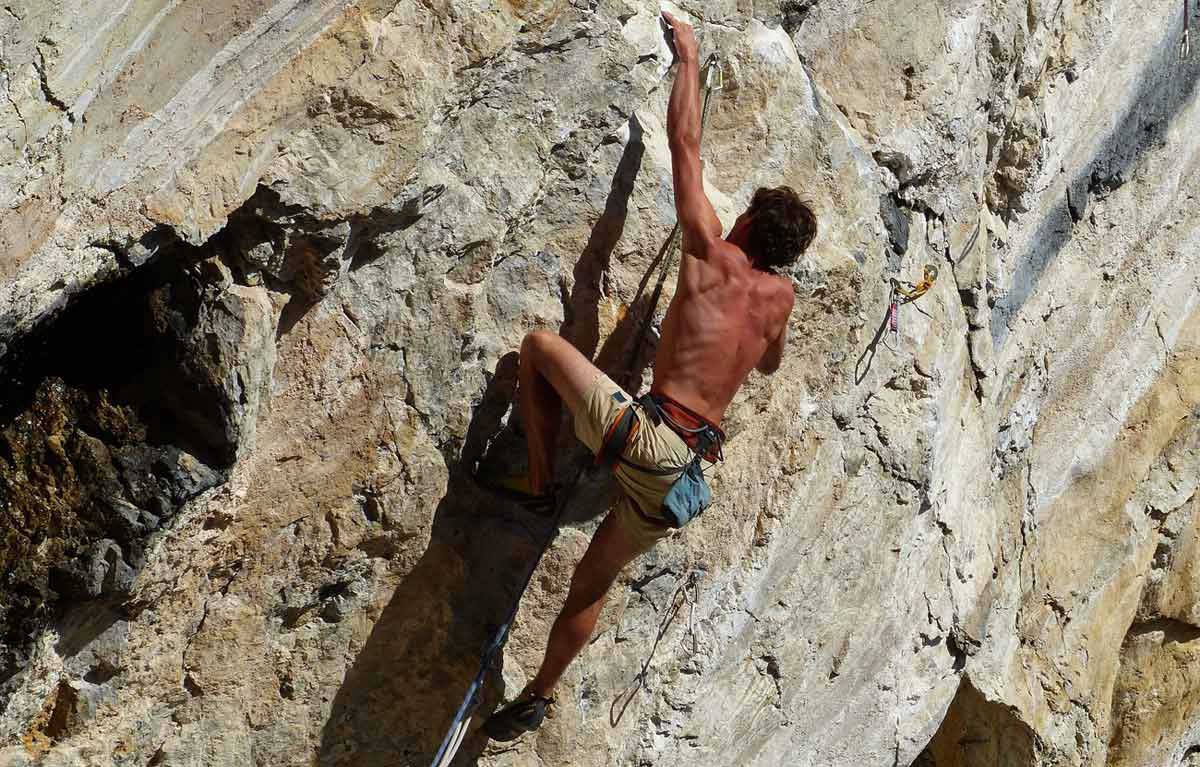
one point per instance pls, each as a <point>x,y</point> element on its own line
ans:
<point>582,323</point>
<point>96,448</point>
<point>979,733</point>
<point>1155,696</point>
<point>135,398</point>
<point>409,678</point>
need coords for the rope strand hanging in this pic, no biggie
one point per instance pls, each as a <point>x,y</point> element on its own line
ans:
<point>690,582</point>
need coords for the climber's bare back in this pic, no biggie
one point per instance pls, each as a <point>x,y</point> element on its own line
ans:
<point>726,319</point>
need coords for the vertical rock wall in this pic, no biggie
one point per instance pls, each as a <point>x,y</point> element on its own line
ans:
<point>265,267</point>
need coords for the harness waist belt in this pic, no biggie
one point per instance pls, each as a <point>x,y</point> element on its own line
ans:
<point>703,436</point>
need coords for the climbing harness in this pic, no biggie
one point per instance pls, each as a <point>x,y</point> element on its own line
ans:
<point>692,581</point>
<point>705,440</point>
<point>1185,45</point>
<point>906,293</point>
<point>623,429</point>
<point>689,494</point>
<point>714,80</point>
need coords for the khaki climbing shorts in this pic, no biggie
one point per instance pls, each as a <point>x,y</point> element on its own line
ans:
<point>639,511</point>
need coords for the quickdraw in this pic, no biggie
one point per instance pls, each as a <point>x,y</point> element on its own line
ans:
<point>906,293</point>
<point>1185,45</point>
<point>689,583</point>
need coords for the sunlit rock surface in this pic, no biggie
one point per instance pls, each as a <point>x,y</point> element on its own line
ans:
<point>265,267</point>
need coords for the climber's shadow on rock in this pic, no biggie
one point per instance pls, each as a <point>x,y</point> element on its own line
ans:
<point>581,324</point>
<point>399,696</point>
<point>631,343</point>
<point>406,683</point>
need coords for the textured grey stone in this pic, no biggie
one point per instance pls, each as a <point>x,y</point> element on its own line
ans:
<point>987,535</point>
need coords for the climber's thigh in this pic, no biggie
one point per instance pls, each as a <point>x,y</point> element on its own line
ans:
<point>560,363</point>
<point>612,548</point>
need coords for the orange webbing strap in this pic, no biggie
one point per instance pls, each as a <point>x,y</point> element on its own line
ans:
<point>623,428</point>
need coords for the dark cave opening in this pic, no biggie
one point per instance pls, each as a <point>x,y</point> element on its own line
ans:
<point>106,429</point>
<point>137,397</point>
<point>123,337</point>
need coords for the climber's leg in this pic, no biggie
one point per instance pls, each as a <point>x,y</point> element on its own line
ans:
<point>612,548</point>
<point>552,373</point>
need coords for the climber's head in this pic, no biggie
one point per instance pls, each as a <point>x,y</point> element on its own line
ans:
<point>776,228</point>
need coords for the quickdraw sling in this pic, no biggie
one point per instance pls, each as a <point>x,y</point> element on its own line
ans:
<point>906,293</point>
<point>1185,45</point>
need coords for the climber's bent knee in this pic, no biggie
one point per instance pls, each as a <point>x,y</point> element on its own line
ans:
<point>560,363</point>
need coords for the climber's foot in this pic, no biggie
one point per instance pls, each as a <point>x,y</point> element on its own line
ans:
<point>525,714</point>
<point>516,488</point>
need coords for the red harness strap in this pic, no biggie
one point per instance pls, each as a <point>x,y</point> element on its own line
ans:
<point>690,426</point>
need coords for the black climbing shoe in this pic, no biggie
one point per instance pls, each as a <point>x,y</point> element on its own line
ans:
<point>515,488</point>
<point>525,714</point>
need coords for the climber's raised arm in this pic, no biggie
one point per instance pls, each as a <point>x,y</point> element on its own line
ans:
<point>696,216</point>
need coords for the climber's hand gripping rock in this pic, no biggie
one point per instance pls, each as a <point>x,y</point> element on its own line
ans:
<point>683,39</point>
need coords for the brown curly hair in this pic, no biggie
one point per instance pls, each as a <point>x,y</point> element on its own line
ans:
<point>782,228</point>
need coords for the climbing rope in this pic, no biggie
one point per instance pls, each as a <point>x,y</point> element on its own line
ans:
<point>622,701</point>
<point>714,80</point>
<point>906,293</point>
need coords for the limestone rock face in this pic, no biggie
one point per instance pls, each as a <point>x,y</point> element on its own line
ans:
<point>266,265</point>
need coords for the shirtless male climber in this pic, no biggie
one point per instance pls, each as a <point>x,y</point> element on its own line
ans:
<point>729,315</point>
